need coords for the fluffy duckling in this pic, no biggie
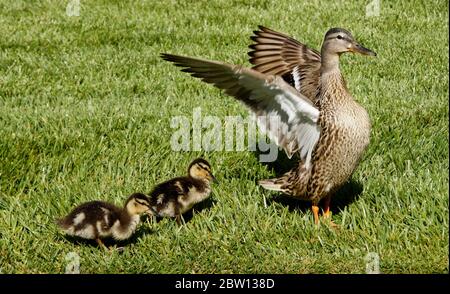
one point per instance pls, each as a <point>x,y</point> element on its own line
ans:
<point>178,195</point>
<point>98,219</point>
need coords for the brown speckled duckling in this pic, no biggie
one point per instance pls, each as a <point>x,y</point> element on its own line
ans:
<point>98,219</point>
<point>317,116</point>
<point>178,195</point>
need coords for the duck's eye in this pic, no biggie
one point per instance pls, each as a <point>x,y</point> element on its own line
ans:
<point>137,203</point>
<point>339,37</point>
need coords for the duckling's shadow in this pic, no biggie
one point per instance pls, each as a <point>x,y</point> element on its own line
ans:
<point>110,242</point>
<point>206,204</point>
<point>143,230</point>
<point>345,196</point>
<point>79,241</point>
<point>187,216</point>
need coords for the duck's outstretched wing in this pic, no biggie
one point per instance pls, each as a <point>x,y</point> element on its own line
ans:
<point>288,117</point>
<point>274,53</point>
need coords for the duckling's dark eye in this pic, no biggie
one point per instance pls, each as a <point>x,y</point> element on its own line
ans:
<point>339,37</point>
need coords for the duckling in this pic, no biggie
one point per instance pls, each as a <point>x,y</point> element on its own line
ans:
<point>178,195</point>
<point>98,219</point>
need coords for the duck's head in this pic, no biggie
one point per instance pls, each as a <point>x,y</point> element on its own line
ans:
<point>338,41</point>
<point>137,204</point>
<point>200,169</point>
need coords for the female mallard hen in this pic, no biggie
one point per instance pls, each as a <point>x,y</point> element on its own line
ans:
<point>317,116</point>
<point>178,195</point>
<point>98,219</point>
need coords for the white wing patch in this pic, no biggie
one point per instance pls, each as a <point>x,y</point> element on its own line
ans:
<point>296,76</point>
<point>79,218</point>
<point>160,199</point>
<point>288,120</point>
<point>87,232</point>
<point>167,210</point>
<point>194,196</point>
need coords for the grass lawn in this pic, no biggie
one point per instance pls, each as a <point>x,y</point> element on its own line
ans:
<point>85,111</point>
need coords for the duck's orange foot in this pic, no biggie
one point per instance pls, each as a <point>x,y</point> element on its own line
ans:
<point>100,243</point>
<point>327,219</point>
<point>315,210</point>
<point>327,213</point>
<point>333,224</point>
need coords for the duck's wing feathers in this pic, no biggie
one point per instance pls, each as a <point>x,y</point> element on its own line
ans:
<point>288,117</point>
<point>89,213</point>
<point>277,54</point>
<point>170,189</point>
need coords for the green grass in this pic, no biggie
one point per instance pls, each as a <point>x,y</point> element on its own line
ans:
<point>85,113</point>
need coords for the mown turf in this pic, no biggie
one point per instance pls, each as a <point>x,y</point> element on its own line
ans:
<point>86,105</point>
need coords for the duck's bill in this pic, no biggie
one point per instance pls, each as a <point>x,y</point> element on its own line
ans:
<point>150,212</point>
<point>214,178</point>
<point>356,48</point>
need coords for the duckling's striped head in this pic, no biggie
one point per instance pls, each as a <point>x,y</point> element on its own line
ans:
<point>339,41</point>
<point>137,204</point>
<point>200,169</point>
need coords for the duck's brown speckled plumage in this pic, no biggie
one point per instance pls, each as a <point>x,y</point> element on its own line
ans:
<point>345,135</point>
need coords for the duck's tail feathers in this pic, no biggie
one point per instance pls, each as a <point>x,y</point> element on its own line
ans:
<point>275,184</point>
<point>62,223</point>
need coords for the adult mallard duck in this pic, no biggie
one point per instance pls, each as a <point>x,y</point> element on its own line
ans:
<point>317,116</point>
<point>176,196</point>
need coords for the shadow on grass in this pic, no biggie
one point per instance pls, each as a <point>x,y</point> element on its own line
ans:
<point>281,165</point>
<point>110,242</point>
<point>206,204</point>
<point>345,196</point>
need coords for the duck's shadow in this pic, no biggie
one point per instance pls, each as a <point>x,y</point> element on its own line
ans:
<point>280,164</point>
<point>346,195</point>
